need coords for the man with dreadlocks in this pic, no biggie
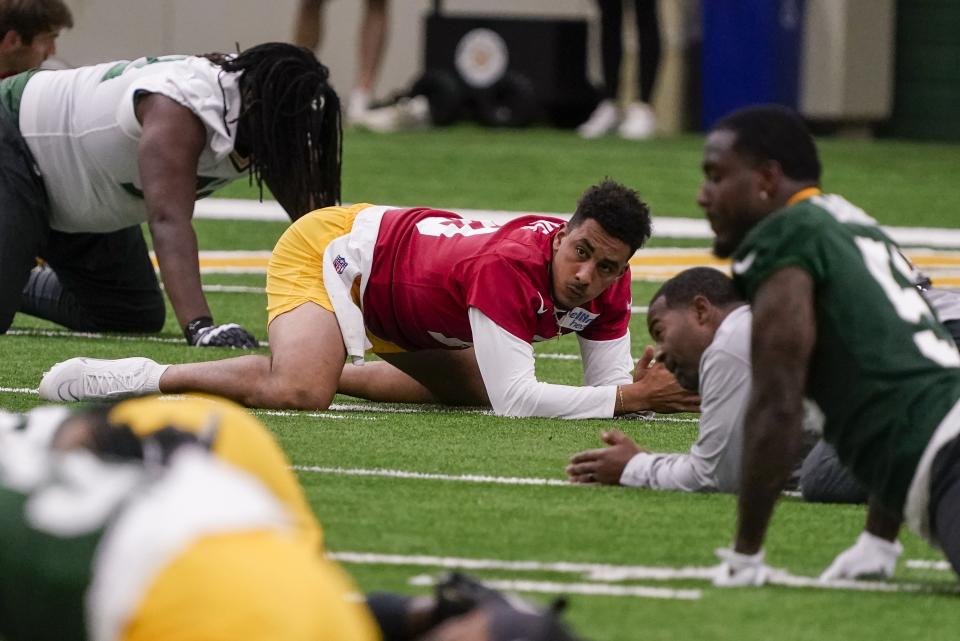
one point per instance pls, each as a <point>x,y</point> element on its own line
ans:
<point>91,153</point>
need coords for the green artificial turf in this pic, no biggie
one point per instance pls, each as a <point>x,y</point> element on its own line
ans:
<point>541,170</point>
<point>899,183</point>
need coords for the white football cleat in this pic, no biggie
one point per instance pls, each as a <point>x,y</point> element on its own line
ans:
<point>408,114</point>
<point>639,123</point>
<point>602,121</point>
<point>92,379</point>
<point>357,106</point>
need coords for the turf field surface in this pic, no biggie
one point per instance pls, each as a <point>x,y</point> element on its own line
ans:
<point>403,492</point>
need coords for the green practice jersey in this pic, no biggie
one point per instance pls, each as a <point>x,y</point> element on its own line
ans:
<point>44,577</point>
<point>883,371</point>
<point>82,540</point>
<point>50,530</point>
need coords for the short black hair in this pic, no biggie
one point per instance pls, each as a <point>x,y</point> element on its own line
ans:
<point>708,282</point>
<point>618,210</point>
<point>774,132</point>
<point>32,17</point>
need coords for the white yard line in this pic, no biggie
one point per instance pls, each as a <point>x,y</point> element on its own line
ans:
<point>588,589</point>
<point>317,414</point>
<point>667,227</point>
<point>379,472</point>
<point>234,289</point>
<point>605,572</point>
<point>179,341</point>
<point>373,408</point>
<point>427,476</point>
<point>416,409</point>
<point>94,335</point>
<point>926,564</point>
<point>587,570</point>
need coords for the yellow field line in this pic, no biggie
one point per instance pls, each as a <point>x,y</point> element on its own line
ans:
<point>655,264</point>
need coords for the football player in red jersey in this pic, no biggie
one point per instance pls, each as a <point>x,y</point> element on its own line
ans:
<point>452,306</point>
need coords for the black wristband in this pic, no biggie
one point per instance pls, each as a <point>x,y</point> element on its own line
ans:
<point>194,326</point>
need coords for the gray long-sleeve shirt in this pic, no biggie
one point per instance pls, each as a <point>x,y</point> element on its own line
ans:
<point>713,463</point>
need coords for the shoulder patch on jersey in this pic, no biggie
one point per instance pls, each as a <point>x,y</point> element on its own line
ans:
<point>744,264</point>
<point>545,227</point>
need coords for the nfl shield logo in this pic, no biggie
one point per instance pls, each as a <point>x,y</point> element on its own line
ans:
<point>339,264</point>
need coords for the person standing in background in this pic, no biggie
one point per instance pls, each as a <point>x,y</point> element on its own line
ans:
<point>308,32</point>
<point>28,32</point>
<point>637,121</point>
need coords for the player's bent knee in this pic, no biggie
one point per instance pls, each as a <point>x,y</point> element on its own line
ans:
<point>154,317</point>
<point>300,395</point>
<point>144,315</point>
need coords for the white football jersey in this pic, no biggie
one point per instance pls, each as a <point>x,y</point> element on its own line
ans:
<point>81,127</point>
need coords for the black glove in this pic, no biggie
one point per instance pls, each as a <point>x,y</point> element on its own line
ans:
<point>510,616</point>
<point>201,332</point>
<point>457,594</point>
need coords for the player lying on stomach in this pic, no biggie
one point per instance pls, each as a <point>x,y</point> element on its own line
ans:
<point>452,306</point>
<point>701,325</point>
<point>121,533</point>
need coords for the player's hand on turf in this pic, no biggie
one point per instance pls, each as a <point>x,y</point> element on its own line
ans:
<point>604,465</point>
<point>740,570</point>
<point>870,557</point>
<point>205,334</point>
<point>660,389</point>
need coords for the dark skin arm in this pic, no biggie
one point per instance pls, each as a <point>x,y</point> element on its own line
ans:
<point>881,522</point>
<point>170,147</point>
<point>604,465</point>
<point>655,388</point>
<point>784,333</point>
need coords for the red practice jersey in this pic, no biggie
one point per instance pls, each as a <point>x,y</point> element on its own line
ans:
<point>430,266</point>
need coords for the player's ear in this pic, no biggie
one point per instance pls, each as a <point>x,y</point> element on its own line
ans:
<point>770,176</point>
<point>702,308</point>
<point>11,41</point>
<point>559,236</point>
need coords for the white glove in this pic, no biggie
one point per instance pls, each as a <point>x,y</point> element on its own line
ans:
<point>740,570</point>
<point>870,556</point>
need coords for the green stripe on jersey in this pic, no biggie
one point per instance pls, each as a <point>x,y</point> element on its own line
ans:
<point>11,91</point>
